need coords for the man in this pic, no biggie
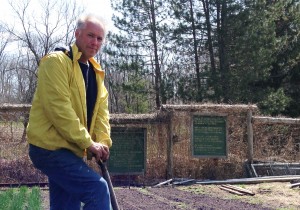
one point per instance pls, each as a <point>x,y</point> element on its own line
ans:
<point>68,118</point>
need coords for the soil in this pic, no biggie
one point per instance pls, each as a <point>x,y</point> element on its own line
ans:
<point>172,198</point>
<point>205,197</point>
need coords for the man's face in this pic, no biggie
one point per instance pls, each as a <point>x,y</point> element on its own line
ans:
<point>89,40</point>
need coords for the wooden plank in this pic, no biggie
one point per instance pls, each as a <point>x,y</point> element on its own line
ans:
<point>252,180</point>
<point>276,120</point>
<point>170,143</point>
<point>231,190</point>
<point>295,185</point>
<point>240,189</point>
<point>163,183</point>
<point>250,135</point>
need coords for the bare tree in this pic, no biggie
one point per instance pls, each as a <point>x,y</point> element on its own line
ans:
<point>36,32</point>
<point>5,87</point>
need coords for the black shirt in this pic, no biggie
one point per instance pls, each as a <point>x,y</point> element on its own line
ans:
<point>89,77</point>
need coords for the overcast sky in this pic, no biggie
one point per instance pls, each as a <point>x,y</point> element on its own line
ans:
<point>96,6</point>
<point>101,7</point>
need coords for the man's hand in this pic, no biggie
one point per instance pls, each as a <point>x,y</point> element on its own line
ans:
<point>99,151</point>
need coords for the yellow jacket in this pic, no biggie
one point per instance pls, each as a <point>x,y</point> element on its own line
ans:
<point>58,116</point>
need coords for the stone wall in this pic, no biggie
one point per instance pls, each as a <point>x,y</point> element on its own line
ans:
<point>169,139</point>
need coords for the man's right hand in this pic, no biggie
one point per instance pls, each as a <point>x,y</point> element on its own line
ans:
<point>100,151</point>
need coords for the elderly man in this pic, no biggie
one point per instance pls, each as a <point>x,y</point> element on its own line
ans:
<point>69,118</point>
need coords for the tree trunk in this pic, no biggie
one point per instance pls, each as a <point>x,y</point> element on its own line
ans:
<point>199,97</point>
<point>209,39</point>
<point>156,60</point>
<point>222,28</point>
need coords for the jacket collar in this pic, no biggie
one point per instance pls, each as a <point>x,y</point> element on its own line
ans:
<point>77,55</point>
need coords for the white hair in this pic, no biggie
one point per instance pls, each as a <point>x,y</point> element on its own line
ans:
<point>81,22</point>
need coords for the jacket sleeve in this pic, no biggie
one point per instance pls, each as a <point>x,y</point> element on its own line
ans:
<point>102,127</point>
<point>55,94</point>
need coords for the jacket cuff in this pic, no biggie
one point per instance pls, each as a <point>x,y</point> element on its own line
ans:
<point>85,145</point>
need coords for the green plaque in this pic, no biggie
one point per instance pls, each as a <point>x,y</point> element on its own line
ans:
<point>209,136</point>
<point>127,154</point>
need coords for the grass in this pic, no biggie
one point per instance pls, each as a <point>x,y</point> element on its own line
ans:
<point>21,198</point>
<point>276,195</point>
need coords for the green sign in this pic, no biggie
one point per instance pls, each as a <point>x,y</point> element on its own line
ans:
<point>127,154</point>
<point>209,136</point>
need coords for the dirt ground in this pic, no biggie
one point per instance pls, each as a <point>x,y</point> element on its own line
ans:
<point>276,195</point>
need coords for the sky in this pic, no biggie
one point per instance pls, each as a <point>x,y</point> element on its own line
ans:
<point>94,6</point>
<point>104,7</point>
<point>100,7</point>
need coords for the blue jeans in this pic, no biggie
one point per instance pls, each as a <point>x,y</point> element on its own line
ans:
<point>71,180</point>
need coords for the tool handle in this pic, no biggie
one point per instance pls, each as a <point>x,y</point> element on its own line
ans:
<point>106,176</point>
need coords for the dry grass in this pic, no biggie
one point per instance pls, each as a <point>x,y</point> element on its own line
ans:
<point>277,195</point>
